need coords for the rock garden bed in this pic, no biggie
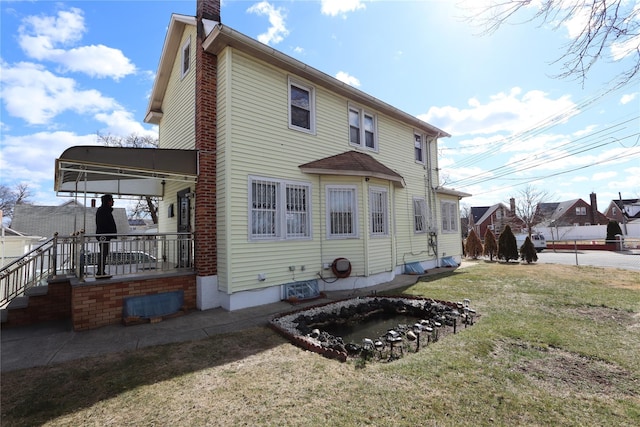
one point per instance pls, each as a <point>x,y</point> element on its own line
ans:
<point>305,327</point>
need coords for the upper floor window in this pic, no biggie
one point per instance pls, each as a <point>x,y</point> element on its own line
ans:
<point>378,211</point>
<point>449,217</point>
<point>362,129</point>
<point>186,57</point>
<point>419,147</point>
<point>581,210</point>
<point>301,107</point>
<point>419,215</point>
<point>342,212</point>
<point>278,209</point>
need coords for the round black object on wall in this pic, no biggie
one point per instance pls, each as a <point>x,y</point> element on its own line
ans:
<point>341,268</point>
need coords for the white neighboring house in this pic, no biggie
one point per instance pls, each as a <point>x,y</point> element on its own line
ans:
<point>13,245</point>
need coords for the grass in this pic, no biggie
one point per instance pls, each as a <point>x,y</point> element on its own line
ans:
<point>553,345</point>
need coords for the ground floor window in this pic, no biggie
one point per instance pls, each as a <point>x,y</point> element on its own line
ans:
<point>449,216</point>
<point>342,212</point>
<point>278,209</point>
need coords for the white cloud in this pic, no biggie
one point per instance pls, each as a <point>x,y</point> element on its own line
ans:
<point>45,39</point>
<point>299,50</point>
<point>278,30</point>
<point>36,95</point>
<point>504,112</point>
<point>627,98</point>
<point>121,122</point>
<point>603,175</point>
<point>340,7</point>
<point>32,156</point>
<point>344,77</point>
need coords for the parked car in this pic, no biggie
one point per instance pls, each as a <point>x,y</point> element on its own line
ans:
<point>537,239</point>
<point>120,258</point>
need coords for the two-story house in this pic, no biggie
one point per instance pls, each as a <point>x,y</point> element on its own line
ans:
<point>302,184</point>
<point>575,212</point>
<point>494,218</point>
<point>624,210</point>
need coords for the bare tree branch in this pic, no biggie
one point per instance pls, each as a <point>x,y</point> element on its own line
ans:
<point>610,31</point>
<point>146,205</point>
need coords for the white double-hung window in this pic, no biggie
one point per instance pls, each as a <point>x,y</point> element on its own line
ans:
<point>362,129</point>
<point>448,211</point>
<point>278,209</point>
<point>301,107</point>
<point>342,212</point>
<point>378,211</point>
<point>419,215</point>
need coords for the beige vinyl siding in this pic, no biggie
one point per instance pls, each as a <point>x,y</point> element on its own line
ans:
<point>449,244</point>
<point>223,158</point>
<point>177,127</point>
<point>256,128</point>
<point>379,249</point>
<point>397,152</point>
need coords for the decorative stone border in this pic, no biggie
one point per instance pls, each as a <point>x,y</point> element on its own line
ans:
<point>288,324</point>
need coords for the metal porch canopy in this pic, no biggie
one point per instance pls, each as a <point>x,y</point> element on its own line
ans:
<point>123,171</point>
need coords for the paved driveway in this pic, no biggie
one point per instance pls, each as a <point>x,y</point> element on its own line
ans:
<point>628,260</point>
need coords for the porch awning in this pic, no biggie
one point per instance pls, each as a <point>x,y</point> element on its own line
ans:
<point>122,171</point>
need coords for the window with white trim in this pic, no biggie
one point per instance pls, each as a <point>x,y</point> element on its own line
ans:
<point>581,210</point>
<point>301,107</point>
<point>278,209</point>
<point>448,211</point>
<point>342,212</point>
<point>419,215</point>
<point>186,57</point>
<point>418,147</point>
<point>362,129</point>
<point>378,211</point>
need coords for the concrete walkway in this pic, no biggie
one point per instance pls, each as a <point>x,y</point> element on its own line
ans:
<point>55,342</point>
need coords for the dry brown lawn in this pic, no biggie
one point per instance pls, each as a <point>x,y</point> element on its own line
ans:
<point>555,345</point>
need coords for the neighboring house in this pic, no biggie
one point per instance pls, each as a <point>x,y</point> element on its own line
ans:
<point>300,180</point>
<point>140,225</point>
<point>65,220</point>
<point>623,211</point>
<point>494,218</point>
<point>13,245</point>
<point>575,212</point>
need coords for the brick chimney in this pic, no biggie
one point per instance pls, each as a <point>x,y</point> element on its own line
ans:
<point>594,208</point>
<point>206,260</point>
<point>512,205</point>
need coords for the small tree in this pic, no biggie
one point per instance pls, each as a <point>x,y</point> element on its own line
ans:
<point>490,244</point>
<point>10,197</point>
<point>528,251</point>
<point>473,246</point>
<point>613,228</point>
<point>507,246</point>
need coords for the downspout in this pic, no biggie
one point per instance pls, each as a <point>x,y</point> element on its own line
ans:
<point>432,201</point>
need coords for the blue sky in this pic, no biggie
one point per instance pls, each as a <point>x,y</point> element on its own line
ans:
<point>70,69</point>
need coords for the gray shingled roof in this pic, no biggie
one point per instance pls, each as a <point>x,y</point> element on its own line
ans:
<point>65,220</point>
